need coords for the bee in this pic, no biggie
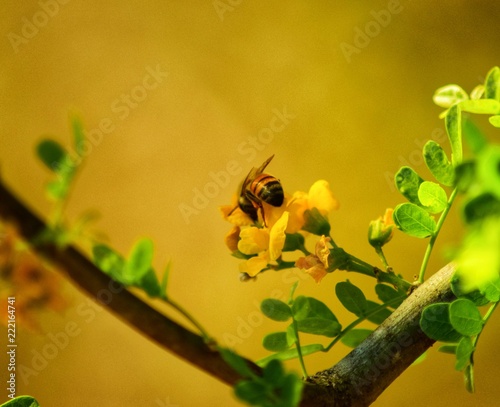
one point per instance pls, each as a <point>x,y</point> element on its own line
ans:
<point>257,188</point>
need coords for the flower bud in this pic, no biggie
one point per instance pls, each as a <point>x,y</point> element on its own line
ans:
<point>381,230</point>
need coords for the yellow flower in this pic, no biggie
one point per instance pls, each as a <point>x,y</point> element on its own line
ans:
<point>267,244</point>
<point>233,214</point>
<point>316,265</point>
<point>320,197</point>
<point>232,238</point>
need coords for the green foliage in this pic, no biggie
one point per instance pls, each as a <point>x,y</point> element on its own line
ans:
<point>435,322</point>
<point>21,401</point>
<point>408,183</point>
<point>465,317</point>
<point>276,310</point>
<point>63,164</point>
<point>432,197</point>
<point>276,387</point>
<point>354,337</point>
<point>436,160</point>
<point>414,220</point>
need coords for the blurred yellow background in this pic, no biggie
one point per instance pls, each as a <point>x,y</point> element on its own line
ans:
<point>170,93</point>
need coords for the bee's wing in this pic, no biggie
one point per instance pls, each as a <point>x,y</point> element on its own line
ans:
<point>248,180</point>
<point>261,169</point>
<point>253,173</point>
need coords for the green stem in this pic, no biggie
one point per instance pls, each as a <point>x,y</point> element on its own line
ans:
<point>359,266</point>
<point>433,238</point>
<point>299,350</point>
<point>359,320</point>
<point>486,317</point>
<point>179,308</point>
<point>381,255</point>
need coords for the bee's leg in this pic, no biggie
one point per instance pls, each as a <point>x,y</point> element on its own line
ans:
<point>257,203</point>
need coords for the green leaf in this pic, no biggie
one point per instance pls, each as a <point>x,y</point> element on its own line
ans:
<point>495,121</point>
<point>236,362</point>
<point>376,317</point>
<point>480,207</point>
<point>432,197</point>
<point>414,220</point>
<point>435,322</point>
<point>276,342</point>
<point>492,84</point>
<point>319,326</point>
<point>407,182</point>
<point>351,297</point>
<point>21,401</point>
<point>448,95</point>
<point>291,353</point>
<point>463,353</point>
<point>78,135</point>
<point>469,378</point>
<point>355,336</point>
<point>388,294</point>
<point>109,261</point>
<point>451,349</point>
<point>275,309</point>
<point>52,154</point>
<point>150,284</point>
<point>253,392</point>
<point>465,317</point>
<point>454,129</point>
<point>420,359</point>
<point>438,163</point>
<point>473,136</point>
<point>291,391</point>
<point>491,289</point>
<point>273,372</point>
<point>475,296</point>
<point>309,307</point>
<point>480,106</point>
<point>139,260</point>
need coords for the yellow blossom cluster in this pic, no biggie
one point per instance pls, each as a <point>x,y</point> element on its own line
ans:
<point>260,245</point>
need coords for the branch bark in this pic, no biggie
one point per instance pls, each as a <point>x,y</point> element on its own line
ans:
<point>357,380</point>
<point>126,306</point>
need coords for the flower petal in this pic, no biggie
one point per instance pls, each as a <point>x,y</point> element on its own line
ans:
<point>253,240</point>
<point>232,238</point>
<point>277,237</point>
<point>255,265</point>
<point>321,197</point>
<point>322,250</point>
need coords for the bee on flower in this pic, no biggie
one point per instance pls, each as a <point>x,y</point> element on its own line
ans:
<point>267,221</point>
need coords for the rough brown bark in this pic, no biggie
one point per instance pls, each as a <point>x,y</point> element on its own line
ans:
<point>357,380</point>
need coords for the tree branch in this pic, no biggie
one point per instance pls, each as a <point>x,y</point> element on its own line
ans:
<point>357,380</point>
<point>126,306</point>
